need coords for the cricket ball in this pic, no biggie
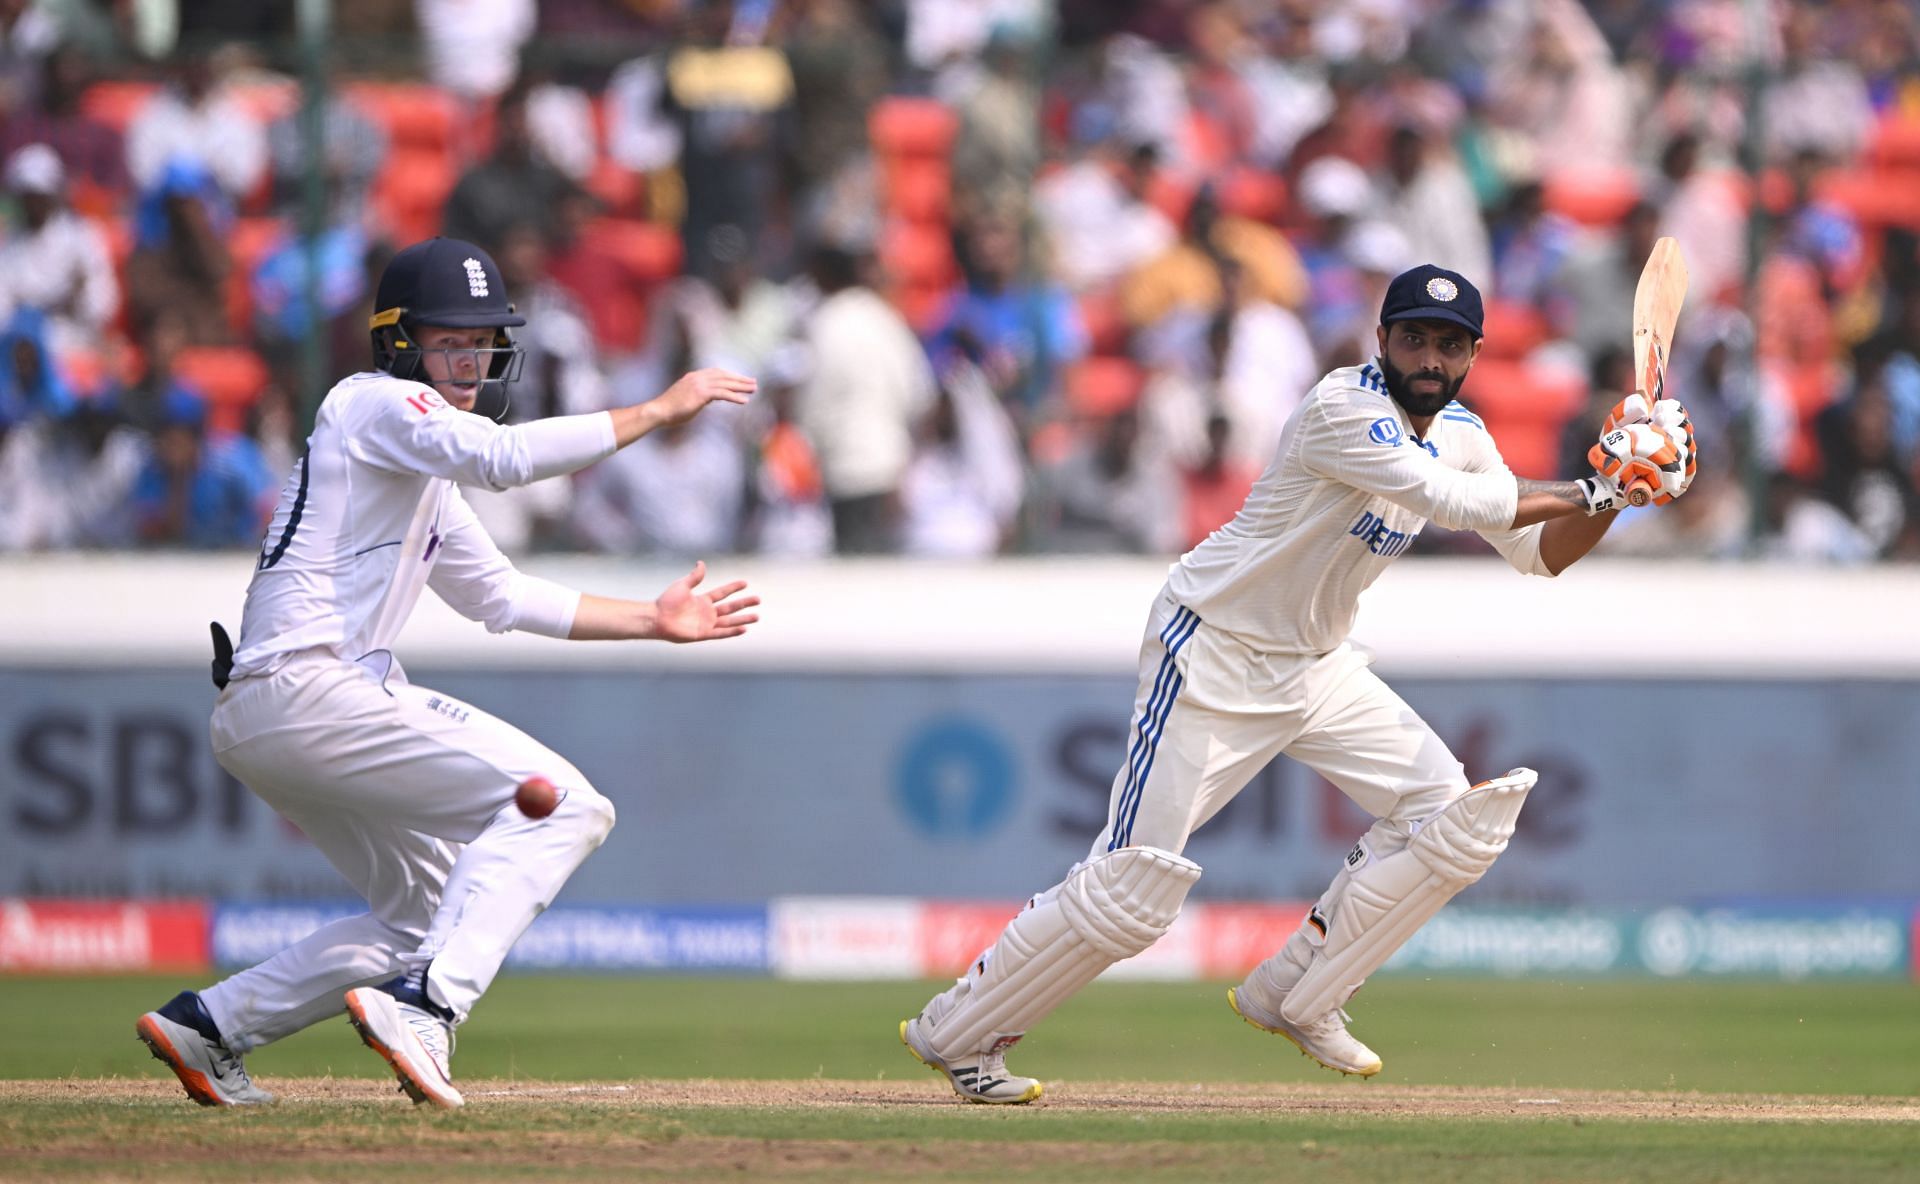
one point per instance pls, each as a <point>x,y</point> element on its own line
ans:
<point>536,797</point>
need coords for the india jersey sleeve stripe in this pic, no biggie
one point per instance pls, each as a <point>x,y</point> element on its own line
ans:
<point>1153,721</point>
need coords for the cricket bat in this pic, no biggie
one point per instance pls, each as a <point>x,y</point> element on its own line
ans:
<point>1656,306</point>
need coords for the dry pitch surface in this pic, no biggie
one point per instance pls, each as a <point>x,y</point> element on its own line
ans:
<point>1351,1099</point>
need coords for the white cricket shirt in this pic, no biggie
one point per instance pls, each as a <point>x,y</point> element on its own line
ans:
<point>373,513</point>
<point>1348,490</point>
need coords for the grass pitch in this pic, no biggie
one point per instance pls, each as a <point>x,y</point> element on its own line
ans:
<point>750,1079</point>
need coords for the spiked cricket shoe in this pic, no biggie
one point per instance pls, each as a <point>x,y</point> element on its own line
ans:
<point>183,1037</point>
<point>411,1036</point>
<point>1325,1040</point>
<point>980,1078</point>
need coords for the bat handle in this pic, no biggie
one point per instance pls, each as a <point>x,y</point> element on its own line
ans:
<point>1639,492</point>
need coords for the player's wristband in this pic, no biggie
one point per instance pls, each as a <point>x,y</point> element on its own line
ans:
<point>1601,494</point>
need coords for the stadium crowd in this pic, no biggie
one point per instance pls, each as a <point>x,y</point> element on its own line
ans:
<point>1015,275</point>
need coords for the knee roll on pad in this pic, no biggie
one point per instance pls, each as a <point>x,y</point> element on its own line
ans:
<point>1375,905</point>
<point>1107,909</point>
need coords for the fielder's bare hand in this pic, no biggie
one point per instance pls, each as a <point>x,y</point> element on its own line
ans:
<point>681,402</point>
<point>685,614</point>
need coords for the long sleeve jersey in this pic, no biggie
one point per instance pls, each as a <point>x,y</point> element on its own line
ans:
<point>373,513</point>
<point>1348,490</point>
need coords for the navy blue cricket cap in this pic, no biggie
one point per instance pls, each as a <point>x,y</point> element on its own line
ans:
<point>447,282</point>
<point>1429,293</point>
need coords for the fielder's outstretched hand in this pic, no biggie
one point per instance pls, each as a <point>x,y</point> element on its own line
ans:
<point>684,614</point>
<point>684,399</point>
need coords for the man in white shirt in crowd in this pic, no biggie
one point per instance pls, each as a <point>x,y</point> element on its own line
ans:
<point>405,790</point>
<point>1246,657</point>
<point>58,262</point>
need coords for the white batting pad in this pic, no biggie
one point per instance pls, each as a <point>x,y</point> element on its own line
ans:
<point>1106,909</point>
<point>1375,905</point>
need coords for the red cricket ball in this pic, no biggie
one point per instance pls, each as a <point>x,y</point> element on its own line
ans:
<point>536,797</point>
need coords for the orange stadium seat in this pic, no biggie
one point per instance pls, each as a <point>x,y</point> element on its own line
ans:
<point>1878,197</point>
<point>411,191</point>
<point>1592,196</point>
<point>230,376</point>
<point>1256,194</point>
<point>919,189</point>
<point>1896,143</point>
<point>1098,387</point>
<point>115,102</point>
<point>917,254</point>
<point>902,125</point>
<point>648,250</point>
<point>1512,329</point>
<point>1525,407</point>
<point>413,114</point>
<point>921,304</point>
<point>1105,323</point>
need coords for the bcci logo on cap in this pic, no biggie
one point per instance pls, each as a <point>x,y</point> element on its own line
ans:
<point>477,279</point>
<point>1442,289</point>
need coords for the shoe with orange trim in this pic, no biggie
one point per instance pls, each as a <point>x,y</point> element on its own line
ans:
<point>184,1037</point>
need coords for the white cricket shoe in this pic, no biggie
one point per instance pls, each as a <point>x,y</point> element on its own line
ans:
<point>182,1036</point>
<point>1325,1040</point>
<point>981,1078</point>
<point>414,1039</point>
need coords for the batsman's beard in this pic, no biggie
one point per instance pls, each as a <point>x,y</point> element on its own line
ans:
<point>1417,403</point>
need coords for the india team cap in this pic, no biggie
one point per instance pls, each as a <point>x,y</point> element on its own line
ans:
<point>1429,293</point>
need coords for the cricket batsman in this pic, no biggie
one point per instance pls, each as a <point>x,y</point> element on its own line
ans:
<point>1246,656</point>
<point>408,792</point>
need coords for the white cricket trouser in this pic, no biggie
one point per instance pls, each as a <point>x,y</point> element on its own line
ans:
<point>1211,712</point>
<point>408,793</point>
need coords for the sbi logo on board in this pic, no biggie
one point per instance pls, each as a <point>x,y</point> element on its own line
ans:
<point>955,779</point>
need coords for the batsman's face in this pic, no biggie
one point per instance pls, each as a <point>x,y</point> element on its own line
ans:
<point>453,362</point>
<point>1425,362</point>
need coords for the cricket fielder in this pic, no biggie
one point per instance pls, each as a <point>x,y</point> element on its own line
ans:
<point>407,791</point>
<point>1246,657</point>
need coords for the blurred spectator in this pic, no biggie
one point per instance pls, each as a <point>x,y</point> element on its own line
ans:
<point>197,118</point>
<point>789,515</point>
<point>1108,495</point>
<point>279,291</point>
<point>642,135</point>
<point>1187,276</point>
<point>1214,489</point>
<point>200,488</point>
<point>839,64</point>
<point>737,319</point>
<point>28,33</point>
<point>961,493</point>
<point>997,151</point>
<point>1250,361</point>
<point>180,260</point>
<point>1532,249</point>
<point>1018,328</point>
<point>1563,96</point>
<point>1427,195</point>
<point>31,386</point>
<point>55,263</point>
<point>64,482</point>
<point>1375,252</point>
<point>1816,101</point>
<point>353,149</point>
<point>93,152</point>
<point>472,47</point>
<point>869,382</point>
<point>560,122</point>
<point>1705,212</point>
<point>1098,221</point>
<point>513,185</point>
<point>677,491</point>
<point>1600,278</point>
<point>1821,230</point>
<point>1865,476</point>
<point>733,100</point>
<point>1287,86</point>
<point>949,38</point>
<point>1798,527</point>
<point>1337,197</point>
<point>1732,394</point>
<point>560,375</point>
